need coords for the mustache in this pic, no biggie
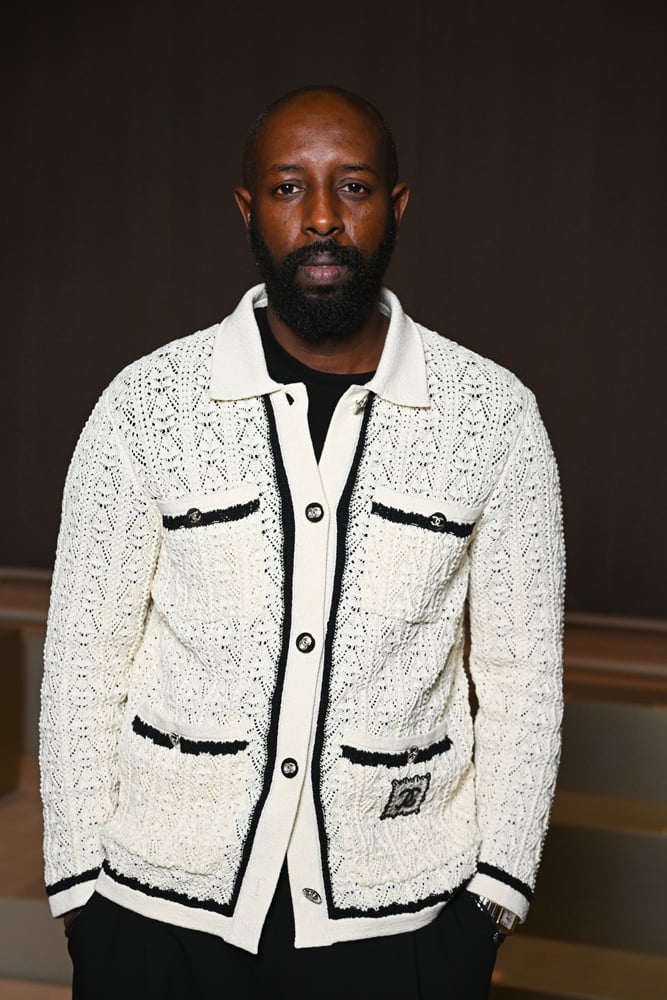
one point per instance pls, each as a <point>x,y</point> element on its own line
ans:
<point>309,254</point>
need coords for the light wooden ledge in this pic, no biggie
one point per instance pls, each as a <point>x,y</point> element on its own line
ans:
<point>24,597</point>
<point>606,812</point>
<point>24,989</point>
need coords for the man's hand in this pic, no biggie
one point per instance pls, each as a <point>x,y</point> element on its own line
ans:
<point>69,917</point>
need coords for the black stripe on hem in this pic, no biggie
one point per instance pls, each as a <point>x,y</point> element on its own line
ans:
<point>431,522</point>
<point>226,909</point>
<point>500,876</point>
<point>173,741</point>
<point>372,758</point>
<point>71,881</point>
<point>202,518</point>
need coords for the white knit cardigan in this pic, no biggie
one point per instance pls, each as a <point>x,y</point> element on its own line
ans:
<point>251,655</point>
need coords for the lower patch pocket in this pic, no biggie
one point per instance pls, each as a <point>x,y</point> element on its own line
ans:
<point>184,795</point>
<point>396,801</point>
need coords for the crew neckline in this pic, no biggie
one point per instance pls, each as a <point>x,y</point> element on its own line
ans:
<point>302,371</point>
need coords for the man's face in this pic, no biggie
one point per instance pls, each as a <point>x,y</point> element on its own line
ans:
<point>321,219</point>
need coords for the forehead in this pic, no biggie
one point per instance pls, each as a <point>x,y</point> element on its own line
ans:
<point>319,127</point>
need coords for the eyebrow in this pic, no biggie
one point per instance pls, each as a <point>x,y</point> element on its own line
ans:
<point>280,168</point>
<point>359,167</point>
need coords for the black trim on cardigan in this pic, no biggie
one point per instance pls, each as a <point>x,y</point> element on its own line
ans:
<point>72,880</point>
<point>342,519</point>
<point>500,876</point>
<point>373,758</point>
<point>146,889</point>
<point>173,741</point>
<point>226,909</point>
<point>288,531</point>
<point>205,517</point>
<point>431,522</point>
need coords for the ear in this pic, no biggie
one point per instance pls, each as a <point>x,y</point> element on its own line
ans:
<point>400,196</point>
<point>243,199</point>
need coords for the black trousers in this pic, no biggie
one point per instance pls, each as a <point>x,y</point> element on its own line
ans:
<point>120,954</point>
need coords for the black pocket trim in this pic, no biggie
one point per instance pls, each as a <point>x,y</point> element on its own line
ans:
<point>173,741</point>
<point>373,758</point>
<point>430,522</point>
<point>196,518</point>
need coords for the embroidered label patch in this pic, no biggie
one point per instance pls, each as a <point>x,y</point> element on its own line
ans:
<point>407,795</point>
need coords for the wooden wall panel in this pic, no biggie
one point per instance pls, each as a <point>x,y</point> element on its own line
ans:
<point>533,136</point>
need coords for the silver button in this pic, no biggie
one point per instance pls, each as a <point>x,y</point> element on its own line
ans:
<point>438,521</point>
<point>174,739</point>
<point>412,754</point>
<point>193,515</point>
<point>360,405</point>
<point>305,642</point>
<point>314,512</point>
<point>289,767</point>
<point>312,896</point>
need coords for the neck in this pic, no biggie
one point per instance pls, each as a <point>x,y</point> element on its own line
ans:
<point>360,352</point>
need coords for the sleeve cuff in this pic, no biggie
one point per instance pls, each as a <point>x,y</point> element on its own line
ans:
<point>500,892</point>
<point>71,893</point>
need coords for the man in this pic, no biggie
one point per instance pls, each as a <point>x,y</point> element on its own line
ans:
<point>271,533</point>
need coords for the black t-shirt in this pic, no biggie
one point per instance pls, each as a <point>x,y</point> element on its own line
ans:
<point>324,388</point>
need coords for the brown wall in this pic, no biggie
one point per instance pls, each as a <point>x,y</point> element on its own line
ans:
<point>532,133</point>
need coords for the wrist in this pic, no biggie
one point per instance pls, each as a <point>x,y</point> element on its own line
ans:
<point>69,916</point>
<point>504,919</point>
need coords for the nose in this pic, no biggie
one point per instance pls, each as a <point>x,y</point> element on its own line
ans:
<point>321,215</point>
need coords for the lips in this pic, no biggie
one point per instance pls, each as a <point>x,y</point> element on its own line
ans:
<point>323,268</point>
<point>322,274</point>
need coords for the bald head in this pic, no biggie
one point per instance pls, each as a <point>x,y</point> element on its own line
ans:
<point>309,100</point>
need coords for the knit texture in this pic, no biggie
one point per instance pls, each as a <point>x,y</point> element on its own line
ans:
<point>167,625</point>
<point>204,657</point>
<point>480,455</point>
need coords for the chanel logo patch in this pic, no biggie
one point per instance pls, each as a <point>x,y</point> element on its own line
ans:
<point>407,795</point>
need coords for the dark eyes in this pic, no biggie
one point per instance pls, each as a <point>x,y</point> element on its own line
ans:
<point>288,188</point>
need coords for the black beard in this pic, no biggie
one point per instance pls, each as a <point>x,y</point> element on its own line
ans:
<point>325,312</point>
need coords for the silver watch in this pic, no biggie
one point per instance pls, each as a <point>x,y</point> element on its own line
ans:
<point>503,918</point>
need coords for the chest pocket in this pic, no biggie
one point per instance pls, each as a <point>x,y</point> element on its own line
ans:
<point>211,557</point>
<point>415,546</point>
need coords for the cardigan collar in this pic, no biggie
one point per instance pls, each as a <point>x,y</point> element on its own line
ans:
<point>238,366</point>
